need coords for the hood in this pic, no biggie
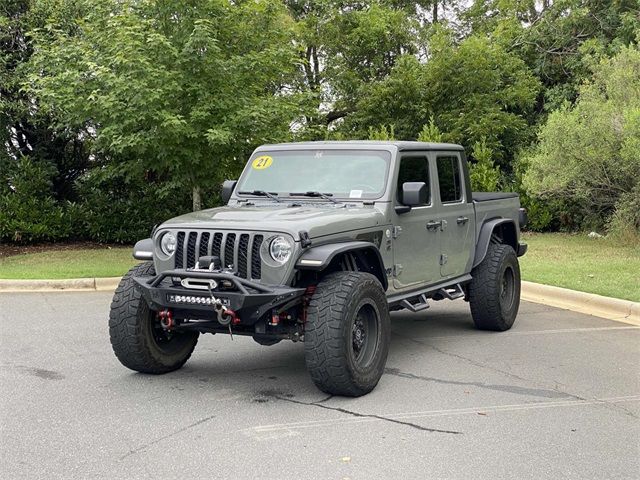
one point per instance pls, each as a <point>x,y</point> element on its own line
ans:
<point>318,220</point>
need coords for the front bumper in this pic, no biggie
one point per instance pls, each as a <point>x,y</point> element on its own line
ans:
<point>249,300</point>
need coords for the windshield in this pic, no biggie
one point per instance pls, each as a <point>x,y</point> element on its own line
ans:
<point>350,174</point>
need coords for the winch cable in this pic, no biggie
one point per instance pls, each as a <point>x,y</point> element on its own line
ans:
<point>214,302</point>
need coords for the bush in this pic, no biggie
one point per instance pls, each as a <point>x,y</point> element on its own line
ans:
<point>587,157</point>
<point>625,222</point>
<point>28,211</point>
<point>546,213</point>
<point>122,207</point>
<point>116,206</point>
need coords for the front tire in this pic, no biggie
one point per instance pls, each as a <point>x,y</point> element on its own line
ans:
<point>136,335</point>
<point>265,340</point>
<point>494,292</point>
<point>347,334</point>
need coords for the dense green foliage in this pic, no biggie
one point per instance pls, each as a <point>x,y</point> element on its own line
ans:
<point>115,115</point>
<point>180,88</point>
<point>590,152</point>
<point>29,211</point>
<point>474,90</point>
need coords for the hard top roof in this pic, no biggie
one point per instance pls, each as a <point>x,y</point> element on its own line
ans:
<point>400,145</point>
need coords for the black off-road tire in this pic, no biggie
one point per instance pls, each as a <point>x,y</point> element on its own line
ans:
<point>343,304</point>
<point>494,292</point>
<point>265,340</point>
<point>134,333</point>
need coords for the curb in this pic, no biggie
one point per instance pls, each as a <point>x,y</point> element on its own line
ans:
<point>615,309</point>
<point>624,311</point>
<point>70,285</point>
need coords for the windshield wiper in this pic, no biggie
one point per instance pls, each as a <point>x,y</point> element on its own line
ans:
<point>262,193</point>
<point>325,196</point>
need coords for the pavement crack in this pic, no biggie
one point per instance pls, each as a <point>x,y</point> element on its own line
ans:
<point>624,409</point>
<point>158,440</point>
<point>614,407</point>
<point>329,397</point>
<point>367,415</point>
<point>535,392</point>
<point>484,365</point>
<point>475,363</point>
<point>468,360</point>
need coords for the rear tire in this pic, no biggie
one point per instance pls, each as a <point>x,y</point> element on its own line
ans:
<point>136,336</point>
<point>347,334</point>
<point>494,292</point>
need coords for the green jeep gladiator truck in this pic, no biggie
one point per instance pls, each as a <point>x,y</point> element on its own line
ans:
<point>317,243</point>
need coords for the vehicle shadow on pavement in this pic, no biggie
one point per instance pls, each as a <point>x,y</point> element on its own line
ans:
<point>221,357</point>
<point>433,323</point>
<point>267,373</point>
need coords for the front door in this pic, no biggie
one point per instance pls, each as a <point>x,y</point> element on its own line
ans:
<point>457,216</point>
<point>415,248</point>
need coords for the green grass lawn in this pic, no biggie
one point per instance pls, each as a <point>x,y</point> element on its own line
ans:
<point>600,266</point>
<point>55,264</point>
<point>594,265</point>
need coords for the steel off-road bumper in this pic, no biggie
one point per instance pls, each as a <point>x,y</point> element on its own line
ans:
<point>250,301</point>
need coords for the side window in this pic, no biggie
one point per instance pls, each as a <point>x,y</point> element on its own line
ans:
<point>449,179</point>
<point>414,169</point>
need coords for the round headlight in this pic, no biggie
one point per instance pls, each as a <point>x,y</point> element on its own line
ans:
<point>168,243</point>
<point>280,249</point>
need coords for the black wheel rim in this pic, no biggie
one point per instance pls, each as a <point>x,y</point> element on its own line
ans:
<point>165,341</point>
<point>364,335</point>
<point>507,289</point>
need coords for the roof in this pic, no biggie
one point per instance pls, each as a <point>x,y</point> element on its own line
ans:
<point>400,145</point>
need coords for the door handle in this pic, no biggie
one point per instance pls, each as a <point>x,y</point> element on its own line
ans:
<point>462,220</point>
<point>434,224</point>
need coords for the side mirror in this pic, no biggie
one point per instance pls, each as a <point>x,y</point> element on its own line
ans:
<point>413,194</point>
<point>227,190</point>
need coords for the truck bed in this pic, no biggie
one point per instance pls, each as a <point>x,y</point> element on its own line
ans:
<point>488,205</point>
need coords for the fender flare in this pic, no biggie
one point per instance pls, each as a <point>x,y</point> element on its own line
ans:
<point>320,257</point>
<point>143,249</point>
<point>484,239</point>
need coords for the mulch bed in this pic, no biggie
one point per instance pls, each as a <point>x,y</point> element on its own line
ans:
<point>10,250</point>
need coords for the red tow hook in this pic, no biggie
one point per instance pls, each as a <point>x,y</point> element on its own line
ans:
<point>166,319</point>
<point>235,320</point>
<point>275,318</point>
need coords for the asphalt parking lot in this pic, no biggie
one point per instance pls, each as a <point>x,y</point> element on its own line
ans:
<point>558,396</point>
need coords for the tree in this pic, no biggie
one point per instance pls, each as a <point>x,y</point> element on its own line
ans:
<point>430,132</point>
<point>382,133</point>
<point>558,39</point>
<point>182,89</point>
<point>343,47</point>
<point>590,153</point>
<point>475,90</point>
<point>25,130</point>
<point>484,175</point>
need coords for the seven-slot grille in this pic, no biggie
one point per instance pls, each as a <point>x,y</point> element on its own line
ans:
<point>240,250</point>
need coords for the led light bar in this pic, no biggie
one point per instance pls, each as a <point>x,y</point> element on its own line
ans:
<point>190,299</point>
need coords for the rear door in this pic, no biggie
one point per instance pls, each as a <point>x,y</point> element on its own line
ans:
<point>455,213</point>
<point>414,246</point>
